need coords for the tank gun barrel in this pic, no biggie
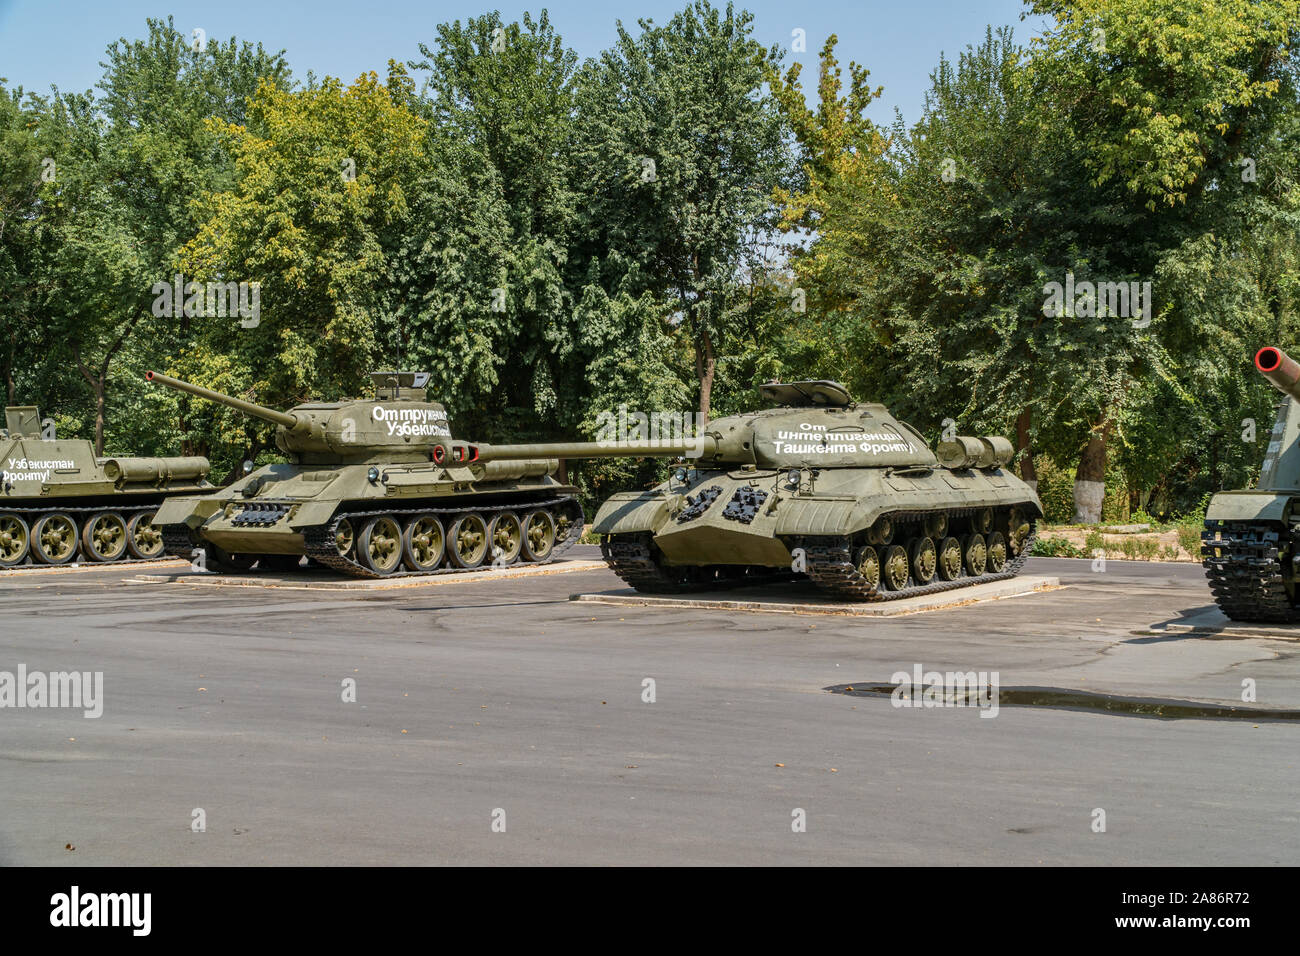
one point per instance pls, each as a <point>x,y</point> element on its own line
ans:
<point>705,446</point>
<point>283,419</point>
<point>1280,369</point>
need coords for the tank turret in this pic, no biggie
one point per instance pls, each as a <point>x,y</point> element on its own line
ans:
<point>396,425</point>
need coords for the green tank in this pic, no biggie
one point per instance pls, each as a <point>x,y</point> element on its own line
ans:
<point>1249,545</point>
<point>373,488</point>
<point>820,486</point>
<point>59,502</point>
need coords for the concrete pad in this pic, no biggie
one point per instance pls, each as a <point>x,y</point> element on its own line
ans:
<point>317,580</point>
<point>1211,622</point>
<point>793,599</point>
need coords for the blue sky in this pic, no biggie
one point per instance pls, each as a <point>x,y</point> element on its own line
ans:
<point>44,42</point>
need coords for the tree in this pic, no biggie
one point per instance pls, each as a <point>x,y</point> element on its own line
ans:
<point>683,152</point>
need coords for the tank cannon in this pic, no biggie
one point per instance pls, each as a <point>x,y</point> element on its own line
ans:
<point>820,485</point>
<point>374,487</point>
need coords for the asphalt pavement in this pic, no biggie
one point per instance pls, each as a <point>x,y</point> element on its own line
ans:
<point>499,722</point>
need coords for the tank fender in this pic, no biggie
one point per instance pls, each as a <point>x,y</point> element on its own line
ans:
<point>187,511</point>
<point>632,511</point>
<point>1247,506</point>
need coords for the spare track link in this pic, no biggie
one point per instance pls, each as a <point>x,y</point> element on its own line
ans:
<point>1246,576</point>
<point>321,547</point>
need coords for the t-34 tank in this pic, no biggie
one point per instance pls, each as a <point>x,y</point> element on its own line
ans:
<point>374,487</point>
<point>1249,545</point>
<point>60,502</point>
<point>821,485</point>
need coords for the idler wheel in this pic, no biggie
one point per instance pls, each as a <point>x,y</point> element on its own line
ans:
<point>424,543</point>
<point>539,535</point>
<point>976,554</point>
<point>894,572</point>
<point>345,537</point>
<point>467,541</point>
<point>15,540</point>
<point>379,545</point>
<point>867,562</point>
<point>506,532</point>
<point>143,539</point>
<point>950,559</point>
<point>997,552</point>
<point>54,539</point>
<point>104,536</point>
<point>924,560</point>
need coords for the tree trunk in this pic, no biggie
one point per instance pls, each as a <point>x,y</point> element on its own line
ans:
<point>1027,472</point>
<point>705,366</point>
<point>1090,478</point>
<point>100,406</point>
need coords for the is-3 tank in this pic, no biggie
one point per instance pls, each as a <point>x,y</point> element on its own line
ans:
<point>819,485</point>
<point>59,502</point>
<point>374,488</point>
<point>1249,545</point>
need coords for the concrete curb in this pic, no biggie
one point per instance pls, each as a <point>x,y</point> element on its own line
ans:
<point>993,591</point>
<point>326,581</point>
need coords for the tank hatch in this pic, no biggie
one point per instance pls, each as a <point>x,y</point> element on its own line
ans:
<point>23,421</point>
<point>806,394</point>
<point>396,385</point>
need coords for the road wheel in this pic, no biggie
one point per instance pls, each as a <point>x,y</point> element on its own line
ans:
<point>924,559</point>
<point>895,569</point>
<point>54,539</point>
<point>982,520</point>
<point>506,532</point>
<point>104,536</point>
<point>143,538</point>
<point>539,535</point>
<point>867,561</point>
<point>997,552</point>
<point>379,545</point>
<point>424,543</point>
<point>15,540</point>
<point>345,537</point>
<point>950,559</point>
<point>976,555</point>
<point>467,541</point>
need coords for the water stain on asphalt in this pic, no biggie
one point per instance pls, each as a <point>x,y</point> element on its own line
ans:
<point>1060,698</point>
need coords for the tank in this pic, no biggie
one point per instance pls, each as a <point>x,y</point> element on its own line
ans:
<point>816,486</point>
<point>1249,545</point>
<point>60,503</point>
<point>373,487</point>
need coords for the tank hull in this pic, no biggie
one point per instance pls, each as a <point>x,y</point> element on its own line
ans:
<point>60,504</point>
<point>362,519</point>
<point>732,527</point>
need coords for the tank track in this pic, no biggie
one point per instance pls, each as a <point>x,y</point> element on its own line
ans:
<point>320,539</point>
<point>82,559</point>
<point>1246,576</point>
<point>632,559</point>
<point>829,567</point>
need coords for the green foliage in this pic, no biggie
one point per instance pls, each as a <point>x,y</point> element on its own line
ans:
<point>1055,491</point>
<point>1050,546</point>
